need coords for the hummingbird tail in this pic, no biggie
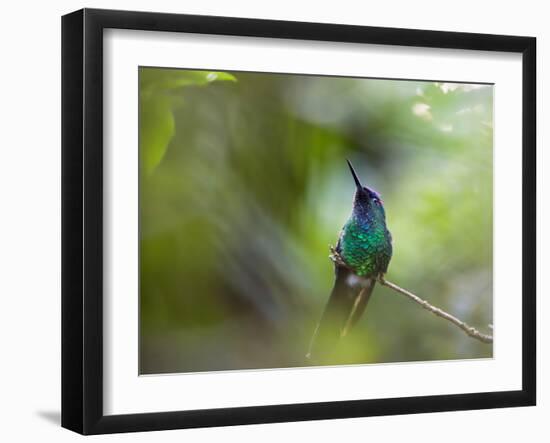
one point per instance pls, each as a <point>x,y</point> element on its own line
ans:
<point>359,305</point>
<point>347,302</point>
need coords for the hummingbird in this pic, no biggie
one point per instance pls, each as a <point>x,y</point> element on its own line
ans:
<point>361,256</point>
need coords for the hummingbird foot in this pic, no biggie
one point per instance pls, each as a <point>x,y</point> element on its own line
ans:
<point>337,258</point>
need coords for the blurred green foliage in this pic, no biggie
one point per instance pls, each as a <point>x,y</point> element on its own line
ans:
<point>244,185</point>
<point>157,105</point>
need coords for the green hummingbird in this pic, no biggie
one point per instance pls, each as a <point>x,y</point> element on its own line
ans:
<point>361,256</point>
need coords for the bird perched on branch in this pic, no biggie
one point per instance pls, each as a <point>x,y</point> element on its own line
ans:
<point>361,256</point>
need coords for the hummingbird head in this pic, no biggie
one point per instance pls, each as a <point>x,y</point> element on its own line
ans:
<point>364,196</point>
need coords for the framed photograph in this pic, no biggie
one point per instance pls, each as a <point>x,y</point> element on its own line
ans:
<point>269,221</point>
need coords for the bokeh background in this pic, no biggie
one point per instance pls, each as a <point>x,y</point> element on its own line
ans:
<point>244,184</point>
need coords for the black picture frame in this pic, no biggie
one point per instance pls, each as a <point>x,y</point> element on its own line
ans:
<point>82,220</point>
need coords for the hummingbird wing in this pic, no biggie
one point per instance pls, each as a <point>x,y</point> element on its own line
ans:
<point>345,306</point>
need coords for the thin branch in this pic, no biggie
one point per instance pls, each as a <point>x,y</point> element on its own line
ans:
<point>471,331</point>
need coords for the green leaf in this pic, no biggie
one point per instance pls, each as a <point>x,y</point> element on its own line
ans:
<point>153,80</point>
<point>220,76</point>
<point>157,126</point>
<point>156,129</point>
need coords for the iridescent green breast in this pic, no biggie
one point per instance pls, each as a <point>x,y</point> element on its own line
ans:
<point>365,245</point>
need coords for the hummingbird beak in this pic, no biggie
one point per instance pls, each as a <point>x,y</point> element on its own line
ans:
<point>357,182</point>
